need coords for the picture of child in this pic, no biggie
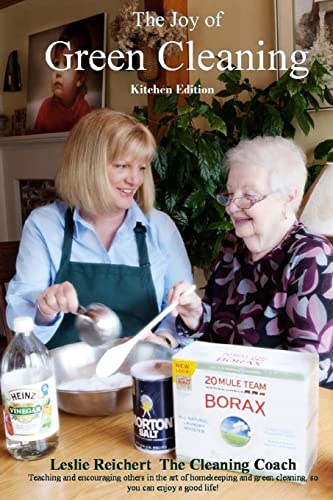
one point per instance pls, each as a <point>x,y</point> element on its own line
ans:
<point>60,97</point>
<point>67,104</point>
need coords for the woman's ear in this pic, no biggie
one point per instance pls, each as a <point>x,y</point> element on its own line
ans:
<point>292,201</point>
<point>292,195</point>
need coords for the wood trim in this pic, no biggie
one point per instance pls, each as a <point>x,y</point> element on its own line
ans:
<point>310,191</point>
<point>16,140</point>
<point>168,78</point>
<point>7,3</point>
<point>171,78</point>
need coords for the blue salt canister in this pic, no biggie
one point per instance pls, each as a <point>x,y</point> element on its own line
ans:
<point>153,406</point>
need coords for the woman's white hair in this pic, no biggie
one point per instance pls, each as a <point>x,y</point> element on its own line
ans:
<point>285,161</point>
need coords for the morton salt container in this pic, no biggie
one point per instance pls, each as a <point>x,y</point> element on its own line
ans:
<point>152,406</point>
<point>247,405</point>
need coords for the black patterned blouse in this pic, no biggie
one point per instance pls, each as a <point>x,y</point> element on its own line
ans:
<point>284,300</point>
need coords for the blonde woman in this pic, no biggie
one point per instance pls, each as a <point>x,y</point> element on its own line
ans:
<point>102,241</point>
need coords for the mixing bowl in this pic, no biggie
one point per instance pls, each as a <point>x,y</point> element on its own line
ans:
<point>79,360</point>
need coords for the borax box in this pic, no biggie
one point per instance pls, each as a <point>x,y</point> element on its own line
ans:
<point>246,409</point>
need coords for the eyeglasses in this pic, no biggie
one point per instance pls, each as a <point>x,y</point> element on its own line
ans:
<point>243,202</point>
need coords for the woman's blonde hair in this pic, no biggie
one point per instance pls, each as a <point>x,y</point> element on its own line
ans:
<point>101,137</point>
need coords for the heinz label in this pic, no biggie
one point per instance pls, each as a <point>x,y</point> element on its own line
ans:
<point>29,411</point>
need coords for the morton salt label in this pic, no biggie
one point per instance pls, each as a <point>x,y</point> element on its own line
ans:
<point>245,404</point>
<point>152,405</point>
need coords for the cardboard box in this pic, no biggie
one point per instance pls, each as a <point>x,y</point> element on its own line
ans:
<point>246,409</point>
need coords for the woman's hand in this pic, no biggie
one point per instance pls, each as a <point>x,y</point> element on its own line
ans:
<point>190,306</point>
<point>56,298</point>
<point>166,339</point>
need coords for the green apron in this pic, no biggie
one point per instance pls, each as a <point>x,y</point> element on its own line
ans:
<point>128,290</point>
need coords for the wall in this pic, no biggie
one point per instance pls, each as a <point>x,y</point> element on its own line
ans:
<point>244,24</point>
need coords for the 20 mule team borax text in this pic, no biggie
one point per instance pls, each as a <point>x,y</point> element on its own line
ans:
<point>247,405</point>
<point>205,60</point>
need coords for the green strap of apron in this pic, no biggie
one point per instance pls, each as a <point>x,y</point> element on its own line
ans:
<point>135,301</point>
<point>68,238</point>
<point>140,236</point>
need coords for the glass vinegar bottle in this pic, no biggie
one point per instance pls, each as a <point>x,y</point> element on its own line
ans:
<point>29,397</point>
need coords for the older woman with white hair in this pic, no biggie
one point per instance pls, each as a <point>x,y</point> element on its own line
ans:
<point>272,282</point>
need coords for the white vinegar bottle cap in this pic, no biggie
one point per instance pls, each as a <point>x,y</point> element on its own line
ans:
<point>23,324</point>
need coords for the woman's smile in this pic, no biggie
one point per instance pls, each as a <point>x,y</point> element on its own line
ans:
<point>241,222</point>
<point>126,192</point>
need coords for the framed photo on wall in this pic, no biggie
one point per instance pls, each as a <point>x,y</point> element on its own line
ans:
<point>306,25</point>
<point>57,99</point>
